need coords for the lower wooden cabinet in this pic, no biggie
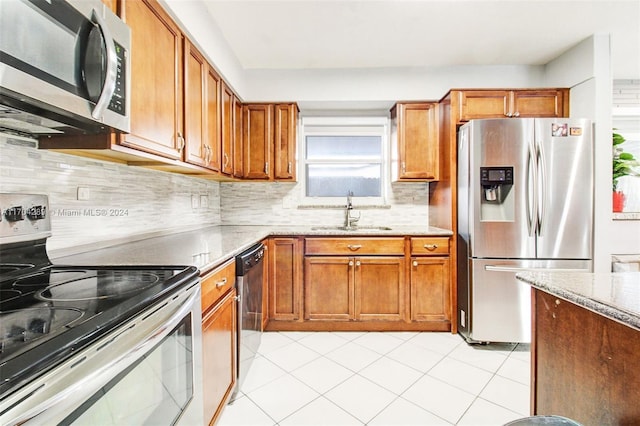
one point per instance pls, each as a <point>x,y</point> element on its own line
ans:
<point>430,296</point>
<point>285,278</point>
<point>219,339</point>
<point>354,288</point>
<point>219,355</point>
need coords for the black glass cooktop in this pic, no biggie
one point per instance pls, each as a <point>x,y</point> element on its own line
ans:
<point>50,311</point>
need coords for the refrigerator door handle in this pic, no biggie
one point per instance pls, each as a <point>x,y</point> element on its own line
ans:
<point>531,196</point>
<point>541,184</point>
<point>502,268</point>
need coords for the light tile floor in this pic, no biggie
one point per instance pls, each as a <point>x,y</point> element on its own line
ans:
<point>391,378</point>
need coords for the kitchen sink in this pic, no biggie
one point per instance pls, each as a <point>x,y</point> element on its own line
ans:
<point>353,228</point>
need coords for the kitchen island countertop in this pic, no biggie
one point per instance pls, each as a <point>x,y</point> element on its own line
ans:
<point>209,246</point>
<point>613,295</point>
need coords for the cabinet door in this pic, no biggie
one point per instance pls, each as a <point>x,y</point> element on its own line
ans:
<point>219,355</point>
<point>430,296</point>
<point>195,124</point>
<point>285,122</point>
<point>257,140</point>
<point>228,130</point>
<point>538,103</point>
<point>285,279</point>
<point>156,80</point>
<point>380,288</point>
<point>328,288</point>
<point>417,141</point>
<point>238,151</point>
<point>484,104</point>
<point>213,111</point>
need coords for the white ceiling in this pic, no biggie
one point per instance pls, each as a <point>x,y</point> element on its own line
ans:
<point>305,34</point>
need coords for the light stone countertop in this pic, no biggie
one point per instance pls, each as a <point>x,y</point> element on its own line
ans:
<point>613,295</point>
<point>210,246</point>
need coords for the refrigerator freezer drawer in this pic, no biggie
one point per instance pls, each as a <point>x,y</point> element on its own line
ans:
<point>500,304</point>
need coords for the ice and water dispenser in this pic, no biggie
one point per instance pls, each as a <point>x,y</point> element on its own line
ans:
<point>496,201</point>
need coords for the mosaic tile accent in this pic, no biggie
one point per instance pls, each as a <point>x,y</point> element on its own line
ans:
<point>123,200</point>
<point>277,203</point>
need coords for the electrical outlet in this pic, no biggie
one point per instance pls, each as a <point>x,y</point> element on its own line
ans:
<point>204,201</point>
<point>83,193</point>
<point>195,201</point>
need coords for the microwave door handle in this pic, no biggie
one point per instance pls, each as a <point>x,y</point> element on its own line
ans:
<point>109,86</point>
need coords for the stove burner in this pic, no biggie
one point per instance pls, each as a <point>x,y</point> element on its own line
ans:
<point>49,277</point>
<point>107,284</point>
<point>7,268</point>
<point>25,325</point>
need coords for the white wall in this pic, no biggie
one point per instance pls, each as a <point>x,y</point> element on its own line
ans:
<point>587,70</point>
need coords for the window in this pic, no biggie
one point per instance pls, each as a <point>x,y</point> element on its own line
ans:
<point>342,155</point>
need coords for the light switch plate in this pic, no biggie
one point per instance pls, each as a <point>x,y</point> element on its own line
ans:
<point>83,193</point>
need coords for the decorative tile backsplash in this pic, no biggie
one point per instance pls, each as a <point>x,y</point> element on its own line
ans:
<point>126,201</point>
<point>122,200</point>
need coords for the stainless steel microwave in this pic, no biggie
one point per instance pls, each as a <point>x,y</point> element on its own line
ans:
<point>64,67</point>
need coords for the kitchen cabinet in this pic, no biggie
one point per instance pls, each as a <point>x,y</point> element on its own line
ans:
<point>284,158</point>
<point>269,137</point>
<point>414,129</point>
<point>202,110</point>
<point>219,339</point>
<point>476,104</point>
<point>284,278</point>
<point>429,282</point>
<point>228,130</point>
<point>156,89</point>
<point>238,150</point>
<point>358,287</point>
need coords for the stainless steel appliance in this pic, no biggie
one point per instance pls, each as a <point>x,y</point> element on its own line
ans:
<point>93,345</point>
<point>525,201</point>
<point>64,67</point>
<point>249,281</point>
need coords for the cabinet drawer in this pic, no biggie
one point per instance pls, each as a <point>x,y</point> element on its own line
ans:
<point>215,284</point>
<point>354,246</point>
<point>430,246</point>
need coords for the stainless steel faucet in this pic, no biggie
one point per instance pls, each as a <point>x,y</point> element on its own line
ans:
<point>350,221</point>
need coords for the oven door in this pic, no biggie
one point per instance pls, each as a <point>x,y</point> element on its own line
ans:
<point>146,372</point>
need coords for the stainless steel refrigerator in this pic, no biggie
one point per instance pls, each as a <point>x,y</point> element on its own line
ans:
<point>525,201</point>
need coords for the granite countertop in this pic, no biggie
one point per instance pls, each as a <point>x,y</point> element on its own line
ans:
<point>210,246</point>
<point>613,295</point>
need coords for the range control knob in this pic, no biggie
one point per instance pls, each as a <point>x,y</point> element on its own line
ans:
<point>37,212</point>
<point>14,214</point>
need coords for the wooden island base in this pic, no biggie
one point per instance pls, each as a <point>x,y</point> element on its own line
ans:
<point>584,366</point>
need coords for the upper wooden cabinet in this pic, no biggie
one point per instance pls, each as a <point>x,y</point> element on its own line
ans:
<point>285,123</point>
<point>414,128</point>
<point>156,80</point>
<point>269,141</point>
<point>238,149</point>
<point>228,130</point>
<point>512,103</point>
<point>201,110</point>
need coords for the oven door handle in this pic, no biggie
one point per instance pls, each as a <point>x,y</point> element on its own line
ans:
<point>55,400</point>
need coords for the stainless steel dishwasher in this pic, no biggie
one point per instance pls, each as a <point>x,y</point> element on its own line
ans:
<point>249,281</point>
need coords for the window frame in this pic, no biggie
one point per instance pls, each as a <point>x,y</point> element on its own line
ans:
<point>344,126</point>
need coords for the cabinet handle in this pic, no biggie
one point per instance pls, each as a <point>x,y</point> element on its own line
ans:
<point>354,247</point>
<point>404,167</point>
<point>430,247</point>
<point>516,114</point>
<point>181,142</point>
<point>289,167</point>
<point>266,168</point>
<point>357,263</point>
<point>221,283</point>
<point>207,157</point>
<point>351,263</point>
<point>226,160</point>
<point>415,263</point>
